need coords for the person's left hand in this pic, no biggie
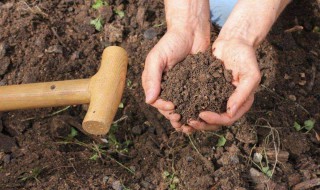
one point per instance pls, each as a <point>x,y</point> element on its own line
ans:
<point>239,57</point>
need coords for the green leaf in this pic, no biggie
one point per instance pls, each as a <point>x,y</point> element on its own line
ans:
<point>99,3</point>
<point>172,186</point>
<point>129,83</point>
<point>165,174</point>
<point>297,126</point>
<point>309,124</point>
<point>121,105</point>
<point>269,173</point>
<point>265,169</point>
<point>221,141</point>
<point>97,23</point>
<point>94,157</point>
<point>73,132</point>
<point>119,13</point>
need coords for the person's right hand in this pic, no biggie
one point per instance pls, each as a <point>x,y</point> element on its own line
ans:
<point>187,33</point>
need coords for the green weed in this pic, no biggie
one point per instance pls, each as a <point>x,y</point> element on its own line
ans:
<point>307,125</point>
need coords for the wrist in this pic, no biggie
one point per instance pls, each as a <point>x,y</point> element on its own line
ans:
<point>250,21</point>
<point>188,15</point>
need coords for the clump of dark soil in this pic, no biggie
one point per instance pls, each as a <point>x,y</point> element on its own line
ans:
<point>198,83</point>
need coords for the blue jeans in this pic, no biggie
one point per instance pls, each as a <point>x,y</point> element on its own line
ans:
<point>220,10</point>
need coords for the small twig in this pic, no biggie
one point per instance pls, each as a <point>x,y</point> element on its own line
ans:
<point>55,33</point>
<point>50,115</point>
<point>313,77</point>
<point>190,139</point>
<point>120,164</point>
<point>294,29</point>
<point>124,117</point>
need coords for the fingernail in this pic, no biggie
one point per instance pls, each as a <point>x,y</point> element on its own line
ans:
<point>232,110</point>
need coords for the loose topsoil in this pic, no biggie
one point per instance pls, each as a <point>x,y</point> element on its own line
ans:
<point>53,40</point>
<point>199,83</point>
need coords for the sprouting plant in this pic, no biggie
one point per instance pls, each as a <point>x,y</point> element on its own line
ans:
<point>171,179</point>
<point>308,125</point>
<point>119,13</point>
<point>221,141</point>
<point>33,174</point>
<point>121,105</point>
<point>129,83</point>
<point>99,3</point>
<point>98,22</point>
<point>264,168</point>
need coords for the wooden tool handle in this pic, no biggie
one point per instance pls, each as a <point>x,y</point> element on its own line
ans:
<point>49,94</point>
<point>106,89</point>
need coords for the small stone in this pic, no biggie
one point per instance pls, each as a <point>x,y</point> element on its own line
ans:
<point>150,34</point>
<point>257,157</point>
<point>286,77</point>
<point>70,9</point>
<point>189,159</point>
<point>54,49</point>
<point>216,75</point>
<point>302,83</point>
<point>137,130</point>
<point>292,97</point>
<point>229,136</point>
<point>302,75</point>
<point>116,185</point>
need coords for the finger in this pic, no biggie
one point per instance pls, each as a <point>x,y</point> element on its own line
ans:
<point>187,129</point>
<point>202,126</point>
<point>170,115</point>
<point>176,125</point>
<point>163,105</point>
<point>224,118</point>
<point>246,86</point>
<point>151,76</point>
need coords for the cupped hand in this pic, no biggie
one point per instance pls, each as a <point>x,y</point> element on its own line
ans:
<point>240,58</point>
<point>173,47</point>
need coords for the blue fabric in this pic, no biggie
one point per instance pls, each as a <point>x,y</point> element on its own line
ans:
<point>220,10</point>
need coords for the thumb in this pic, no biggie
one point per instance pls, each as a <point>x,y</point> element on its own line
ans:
<point>246,86</point>
<point>151,76</point>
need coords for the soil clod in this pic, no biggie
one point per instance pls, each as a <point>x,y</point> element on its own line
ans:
<point>199,83</point>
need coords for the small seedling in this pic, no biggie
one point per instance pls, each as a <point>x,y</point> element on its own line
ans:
<point>308,125</point>
<point>129,83</point>
<point>97,23</point>
<point>171,179</point>
<point>221,141</point>
<point>99,3</point>
<point>33,174</point>
<point>121,106</point>
<point>119,13</point>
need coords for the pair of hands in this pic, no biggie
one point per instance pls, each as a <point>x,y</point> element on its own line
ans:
<point>237,56</point>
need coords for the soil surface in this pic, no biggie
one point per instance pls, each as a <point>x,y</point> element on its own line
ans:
<point>198,83</point>
<point>46,148</point>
